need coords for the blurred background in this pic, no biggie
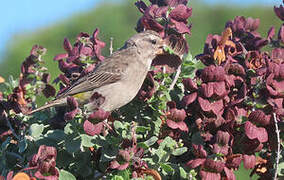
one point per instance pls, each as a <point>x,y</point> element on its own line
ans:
<point>47,23</point>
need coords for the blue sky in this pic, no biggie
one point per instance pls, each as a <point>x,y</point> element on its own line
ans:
<point>28,15</point>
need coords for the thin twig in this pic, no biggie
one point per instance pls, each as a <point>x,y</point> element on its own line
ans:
<point>164,72</point>
<point>278,145</point>
<point>176,78</point>
<point>110,46</point>
<point>190,176</point>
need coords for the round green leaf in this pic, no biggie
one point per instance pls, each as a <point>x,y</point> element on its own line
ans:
<point>87,140</point>
<point>179,151</point>
<point>65,175</point>
<point>36,130</point>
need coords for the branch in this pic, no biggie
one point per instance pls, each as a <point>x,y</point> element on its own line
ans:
<point>110,46</point>
<point>278,145</point>
<point>176,78</point>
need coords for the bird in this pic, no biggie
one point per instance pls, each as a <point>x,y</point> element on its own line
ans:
<point>118,78</point>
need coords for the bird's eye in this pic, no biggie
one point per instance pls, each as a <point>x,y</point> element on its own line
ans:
<point>153,41</point>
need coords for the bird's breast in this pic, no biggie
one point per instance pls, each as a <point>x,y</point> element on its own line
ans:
<point>123,91</point>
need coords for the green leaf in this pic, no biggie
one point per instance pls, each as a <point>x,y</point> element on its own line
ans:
<point>118,125</point>
<point>167,168</point>
<point>109,153</point>
<point>168,142</point>
<point>143,145</point>
<point>56,135</point>
<point>125,174</point>
<point>157,125</point>
<point>148,178</point>
<point>36,130</point>
<point>183,173</point>
<point>87,140</point>
<point>169,50</point>
<point>23,145</point>
<point>73,143</point>
<point>179,151</point>
<point>280,171</point>
<point>151,141</point>
<point>116,177</point>
<point>68,129</point>
<point>142,129</point>
<point>162,155</point>
<point>65,175</point>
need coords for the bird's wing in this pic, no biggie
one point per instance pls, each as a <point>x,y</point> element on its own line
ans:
<point>110,71</point>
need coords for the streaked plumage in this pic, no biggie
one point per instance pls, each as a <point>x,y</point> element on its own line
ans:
<point>118,78</point>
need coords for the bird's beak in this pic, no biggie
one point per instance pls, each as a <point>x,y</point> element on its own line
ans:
<point>161,48</point>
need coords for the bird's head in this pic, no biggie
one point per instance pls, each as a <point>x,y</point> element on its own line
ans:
<point>148,43</point>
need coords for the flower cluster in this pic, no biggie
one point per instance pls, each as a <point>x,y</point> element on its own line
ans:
<point>42,166</point>
<point>44,162</point>
<point>19,96</point>
<point>233,99</point>
<point>164,16</point>
<point>79,59</point>
<point>33,79</point>
<point>170,20</point>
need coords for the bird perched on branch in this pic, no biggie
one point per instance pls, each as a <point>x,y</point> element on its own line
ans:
<point>118,78</point>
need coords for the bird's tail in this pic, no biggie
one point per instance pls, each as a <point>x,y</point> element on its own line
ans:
<point>55,103</point>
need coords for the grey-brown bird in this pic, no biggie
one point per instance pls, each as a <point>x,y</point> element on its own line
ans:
<point>118,78</point>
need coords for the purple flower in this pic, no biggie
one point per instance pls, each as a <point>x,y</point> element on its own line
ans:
<point>189,84</point>
<point>281,34</point>
<point>155,17</point>
<point>44,162</point>
<point>241,25</point>
<point>49,91</point>
<point>275,87</point>
<point>249,161</point>
<point>122,160</point>
<point>258,117</point>
<point>233,161</point>
<point>178,16</point>
<point>148,20</point>
<point>175,119</point>
<point>72,63</point>
<point>94,125</point>
<point>271,33</point>
<point>277,55</point>
<point>211,169</point>
<point>174,3</point>
<point>279,11</point>
<point>222,143</point>
<point>255,60</point>
<point>148,88</point>
<point>73,109</point>
<point>213,73</point>
<point>254,132</point>
<point>93,129</point>
<point>98,45</point>
<point>244,30</point>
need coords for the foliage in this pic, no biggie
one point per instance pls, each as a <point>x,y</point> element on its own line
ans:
<point>222,109</point>
<point>126,15</point>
